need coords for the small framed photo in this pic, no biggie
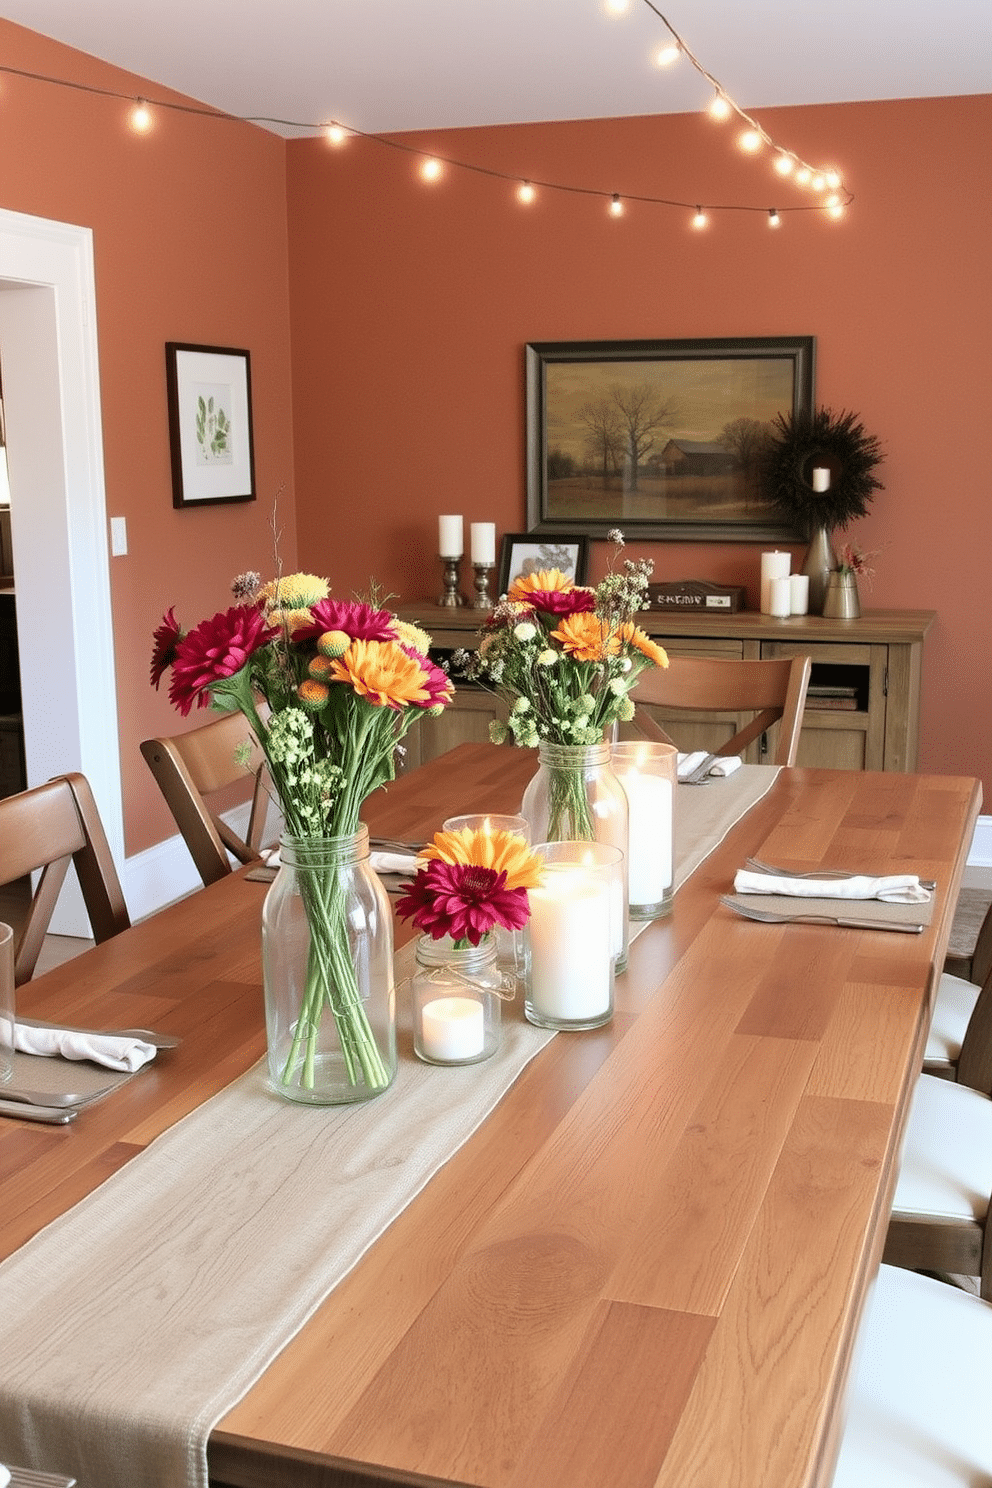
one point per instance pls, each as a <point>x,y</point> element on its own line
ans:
<point>210,433</point>
<point>525,553</point>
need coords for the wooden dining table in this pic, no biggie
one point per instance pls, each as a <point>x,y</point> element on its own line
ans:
<point>647,1265</point>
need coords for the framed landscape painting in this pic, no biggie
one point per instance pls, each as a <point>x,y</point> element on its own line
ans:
<point>662,439</point>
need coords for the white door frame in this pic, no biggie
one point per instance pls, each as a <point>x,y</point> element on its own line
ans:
<point>48,337</point>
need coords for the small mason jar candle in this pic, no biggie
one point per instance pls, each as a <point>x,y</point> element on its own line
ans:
<point>456,1001</point>
<point>573,935</point>
<point>648,772</point>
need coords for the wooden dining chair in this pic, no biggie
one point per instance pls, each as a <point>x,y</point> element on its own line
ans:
<point>917,1409</point>
<point>196,765</point>
<point>774,691</point>
<point>47,828</point>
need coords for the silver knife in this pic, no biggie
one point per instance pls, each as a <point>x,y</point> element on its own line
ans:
<point>775,917</point>
<point>51,1115</point>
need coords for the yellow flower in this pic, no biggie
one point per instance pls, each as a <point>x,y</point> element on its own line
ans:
<point>382,672</point>
<point>545,581</point>
<point>293,592</point>
<point>313,695</point>
<point>498,850</point>
<point>412,635</point>
<point>333,643</point>
<point>586,637</point>
<point>632,635</point>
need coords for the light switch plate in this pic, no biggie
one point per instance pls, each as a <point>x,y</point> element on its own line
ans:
<point>118,537</point>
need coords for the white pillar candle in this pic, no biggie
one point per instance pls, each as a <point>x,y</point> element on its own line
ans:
<point>780,597</point>
<point>773,566</point>
<point>821,478</point>
<point>649,866</point>
<point>572,935</point>
<point>451,543</point>
<point>452,1028</point>
<point>799,596</point>
<point>484,542</point>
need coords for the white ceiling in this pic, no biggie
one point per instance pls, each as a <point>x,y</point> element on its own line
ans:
<point>389,65</point>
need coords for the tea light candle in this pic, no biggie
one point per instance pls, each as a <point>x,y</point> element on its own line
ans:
<point>451,543</point>
<point>774,565</point>
<point>799,585</point>
<point>483,542</point>
<point>780,597</point>
<point>452,1028</point>
<point>821,478</point>
<point>572,933</point>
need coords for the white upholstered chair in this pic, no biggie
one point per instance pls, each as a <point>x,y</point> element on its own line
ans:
<point>918,1401</point>
<point>959,1044</point>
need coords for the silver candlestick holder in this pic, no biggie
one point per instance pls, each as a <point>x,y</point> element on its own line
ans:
<point>450,598</point>
<point>482,600</point>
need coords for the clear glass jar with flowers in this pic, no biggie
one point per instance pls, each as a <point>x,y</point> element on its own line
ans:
<point>475,883</point>
<point>328,688</point>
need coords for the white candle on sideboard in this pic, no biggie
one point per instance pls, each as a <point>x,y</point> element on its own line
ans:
<point>483,542</point>
<point>451,543</point>
<point>572,935</point>
<point>649,864</point>
<point>452,1028</point>
<point>799,598</point>
<point>821,478</point>
<point>780,597</point>
<point>773,566</point>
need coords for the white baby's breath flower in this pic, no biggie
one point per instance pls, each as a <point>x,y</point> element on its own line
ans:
<point>522,705</point>
<point>547,657</point>
<point>525,631</point>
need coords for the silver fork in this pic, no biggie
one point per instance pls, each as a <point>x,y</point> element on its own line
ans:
<point>63,1101</point>
<point>769,917</point>
<point>825,873</point>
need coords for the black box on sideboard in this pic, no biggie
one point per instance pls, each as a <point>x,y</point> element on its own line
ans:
<point>698,597</point>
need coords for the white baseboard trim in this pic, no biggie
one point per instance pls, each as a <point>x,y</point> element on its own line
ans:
<point>980,855</point>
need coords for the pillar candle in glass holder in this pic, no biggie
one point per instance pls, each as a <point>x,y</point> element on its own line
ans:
<point>483,542</point>
<point>572,935</point>
<point>780,597</point>
<point>451,543</point>
<point>774,565</point>
<point>647,772</point>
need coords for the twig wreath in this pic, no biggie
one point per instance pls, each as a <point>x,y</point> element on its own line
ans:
<point>802,441</point>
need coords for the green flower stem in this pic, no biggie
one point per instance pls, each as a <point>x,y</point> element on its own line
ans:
<point>569,814</point>
<point>331,979</point>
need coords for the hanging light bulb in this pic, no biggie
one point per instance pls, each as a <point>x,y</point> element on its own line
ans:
<point>750,141</point>
<point>783,163</point>
<point>432,169</point>
<point>616,7</point>
<point>335,134</point>
<point>819,183</point>
<point>774,220</point>
<point>526,193</point>
<point>719,107</point>
<point>141,117</point>
<point>833,179</point>
<point>666,55</point>
<point>616,206</point>
<point>835,210</point>
<point>700,218</point>
<point>804,175</point>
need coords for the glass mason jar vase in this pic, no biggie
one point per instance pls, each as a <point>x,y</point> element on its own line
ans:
<point>456,1001</point>
<point>576,797</point>
<point>327,957</point>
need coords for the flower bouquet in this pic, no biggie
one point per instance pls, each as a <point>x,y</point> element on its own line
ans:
<point>328,689</point>
<point>565,659</point>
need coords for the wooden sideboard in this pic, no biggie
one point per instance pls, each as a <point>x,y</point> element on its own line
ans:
<point>873,666</point>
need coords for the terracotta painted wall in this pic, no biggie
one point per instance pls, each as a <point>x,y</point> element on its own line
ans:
<point>411,306</point>
<point>189,227</point>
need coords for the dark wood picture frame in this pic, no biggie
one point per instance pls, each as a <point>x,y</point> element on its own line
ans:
<point>522,552</point>
<point>659,438</point>
<point>210,425</point>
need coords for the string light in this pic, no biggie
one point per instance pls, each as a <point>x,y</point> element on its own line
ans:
<point>432,168</point>
<point>666,55</point>
<point>750,141</point>
<point>774,220</point>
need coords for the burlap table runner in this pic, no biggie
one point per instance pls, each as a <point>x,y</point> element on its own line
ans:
<point>134,1322</point>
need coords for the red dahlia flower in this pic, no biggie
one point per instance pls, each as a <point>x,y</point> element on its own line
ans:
<point>217,648</point>
<point>563,601</point>
<point>359,621</point>
<point>164,642</point>
<point>463,901</point>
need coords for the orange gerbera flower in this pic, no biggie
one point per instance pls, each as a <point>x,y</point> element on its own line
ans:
<point>546,580</point>
<point>632,635</point>
<point>503,852</point>
<point>586,637</point>
<point>382,672</point>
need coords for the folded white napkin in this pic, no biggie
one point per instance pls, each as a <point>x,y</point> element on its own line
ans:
<point>113,1052</point>
<point>381,862</point>
<point>4,1476</point>
<point>896,888</point>
<point>725,765</point>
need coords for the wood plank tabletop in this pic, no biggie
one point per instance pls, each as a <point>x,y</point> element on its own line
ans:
<point>647,1265</point>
